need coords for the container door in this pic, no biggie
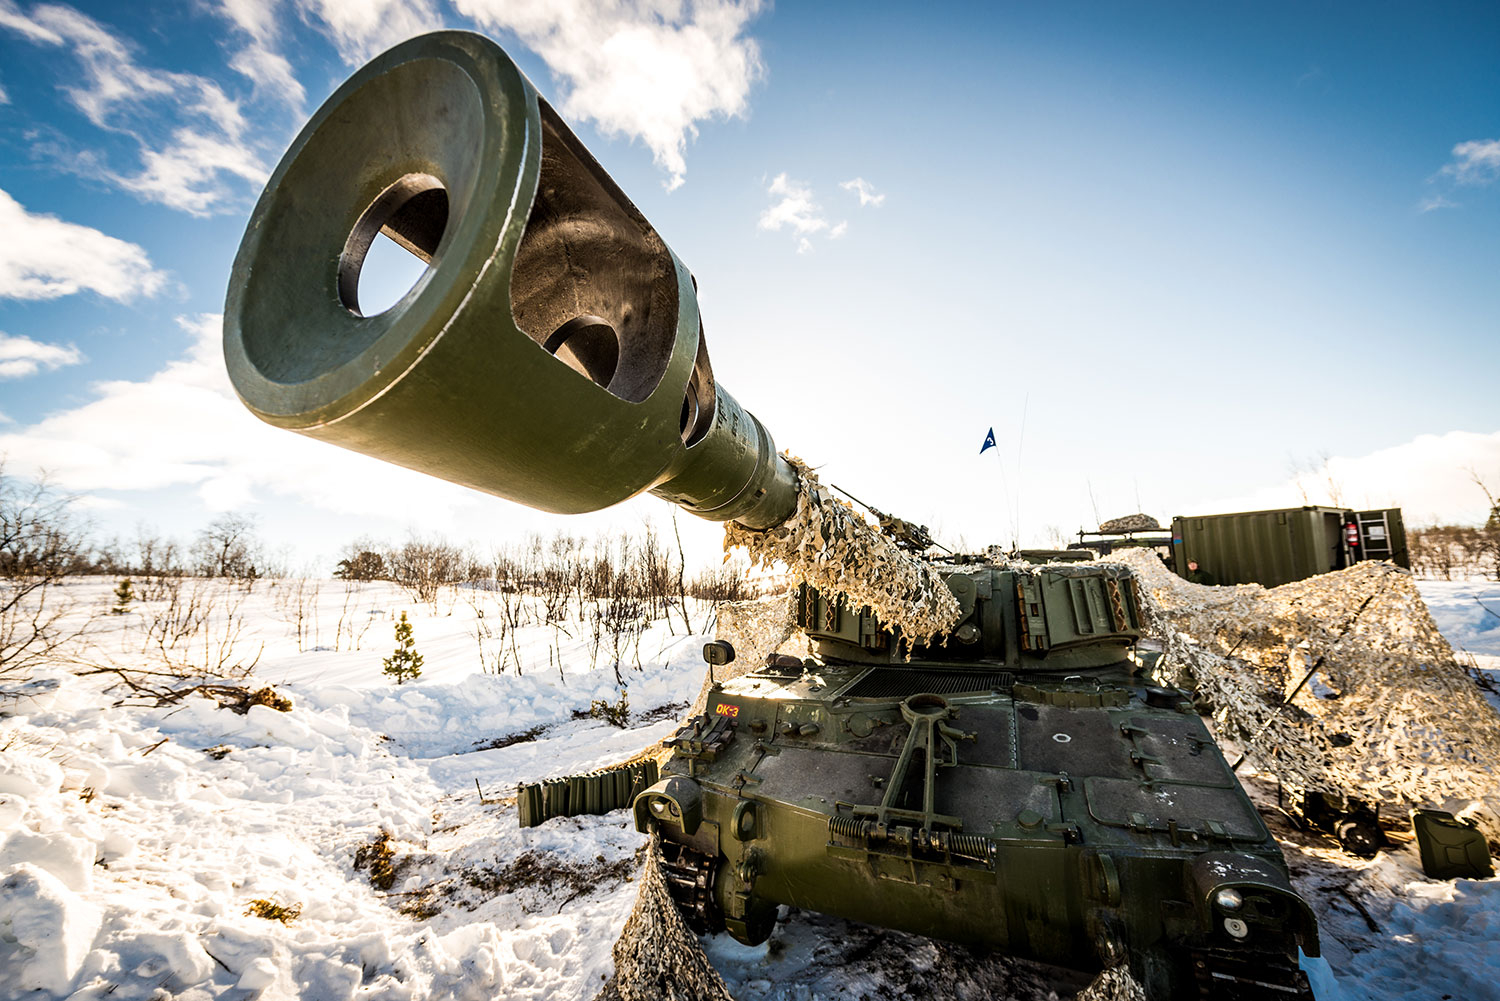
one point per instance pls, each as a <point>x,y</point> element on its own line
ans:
<point>1382,536</point>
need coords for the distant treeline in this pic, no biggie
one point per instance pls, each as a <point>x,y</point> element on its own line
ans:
<point>1443,552</point>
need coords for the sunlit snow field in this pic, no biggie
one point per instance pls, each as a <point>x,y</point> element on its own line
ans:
<point>129,854</point>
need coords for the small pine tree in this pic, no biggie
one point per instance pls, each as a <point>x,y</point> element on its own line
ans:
<point>124,595</point>
<point>404,663</point>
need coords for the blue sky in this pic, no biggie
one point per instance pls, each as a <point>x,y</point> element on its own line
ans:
<point>1181,257</point>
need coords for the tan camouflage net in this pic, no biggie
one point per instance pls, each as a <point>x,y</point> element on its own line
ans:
<point>756,629</point>
<point>657,956</point>
<point>1114,984</point>
<point>1130,523</point>
<point>829,545</point>
<point>1389,714</point>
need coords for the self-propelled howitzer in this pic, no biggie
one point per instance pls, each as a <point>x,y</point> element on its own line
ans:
<point>1006,784</point>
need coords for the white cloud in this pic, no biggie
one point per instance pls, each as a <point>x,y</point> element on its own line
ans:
<point>1433,202</point>
<point>646,69</point>
<point>186,174</point>
<point>363,28</point>
<point>22,356</point>
<point>793,207</point>
<point>4,97</point>
<point>110,75</point>
<point>1428,478</point>
<point>1475,162</point>
<point>43,257</point>
<point>194,168</point>
<point>184,426</point>
<point>865,190</point>
<point>259,61</point>
<point>12,18</point>
<point>271,71</point>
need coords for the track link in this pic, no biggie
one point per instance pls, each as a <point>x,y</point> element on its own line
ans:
<point>690,880</point>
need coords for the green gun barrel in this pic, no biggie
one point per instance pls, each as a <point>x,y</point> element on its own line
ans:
<point>552,351</point>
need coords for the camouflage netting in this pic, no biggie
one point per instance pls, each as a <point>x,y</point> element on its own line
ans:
<point>1130,523</point>
<point>657,957</point>
<point>756,629</point>
<point>1114,984</point>
<point>1389,715</point>
<point>829,545</point>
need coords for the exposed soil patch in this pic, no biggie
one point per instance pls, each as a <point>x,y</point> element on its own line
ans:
<point>538,871</point>
<point>510,739</point>
<point>672,710</point>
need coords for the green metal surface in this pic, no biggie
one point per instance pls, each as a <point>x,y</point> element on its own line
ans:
<point>1277,547</point>
<point>552,352</point>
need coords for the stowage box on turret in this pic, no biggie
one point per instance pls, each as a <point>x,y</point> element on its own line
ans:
<point>1007,784</point>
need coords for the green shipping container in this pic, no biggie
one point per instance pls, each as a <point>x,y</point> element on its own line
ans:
<point>1277,547</point>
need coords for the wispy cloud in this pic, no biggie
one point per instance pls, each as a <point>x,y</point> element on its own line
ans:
<point>270,71</point>
<point>645,69</point>
<point>1475,162</point>
<point>193,167</point>
<point>794,208</point>
<point>185,175</point>
<point>1313,75</point>
<point>22,356</point>
<point>11,17</point>
<point>4,97</point>
<point>363,28</point>
<point>43,257</point>
<point>865,190</point>
<point>259,61</point>
<point>1433,202</point>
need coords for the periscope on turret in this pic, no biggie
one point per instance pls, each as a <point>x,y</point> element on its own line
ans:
<point>964,753</point>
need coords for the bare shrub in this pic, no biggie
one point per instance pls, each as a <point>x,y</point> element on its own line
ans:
<point>197,631</point>
<point>156,563</point>
<point>40,542</point>
<point>558,573</point>
<point>296,601</point>
<point>353,624</point>
<point>229,547</point>
<point>1443,552</point>
<point>722,583</point>
<point>423,566</point>
<point>490,625</point>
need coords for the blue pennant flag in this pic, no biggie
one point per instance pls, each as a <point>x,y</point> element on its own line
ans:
<point>989,441</point>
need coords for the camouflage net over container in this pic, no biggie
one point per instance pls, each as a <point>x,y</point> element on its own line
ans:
<point>1130,523</point>
<point>832,547</point>
<point>657,956</point>
<point>1389,715</point>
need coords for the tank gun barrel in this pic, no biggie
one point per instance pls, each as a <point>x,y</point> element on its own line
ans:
<point>552,352</point>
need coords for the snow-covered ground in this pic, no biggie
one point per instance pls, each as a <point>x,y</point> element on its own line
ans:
<point>1468,613</point>
<point>135,841</point>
